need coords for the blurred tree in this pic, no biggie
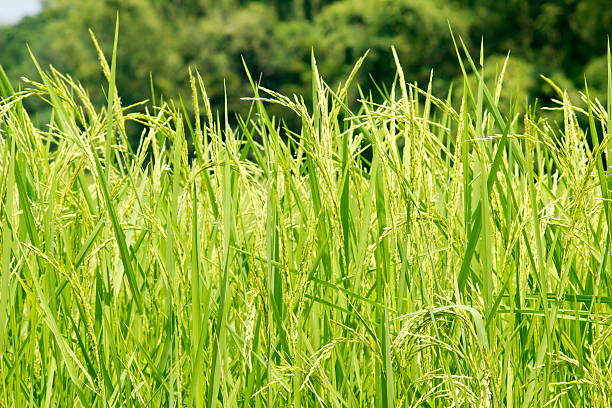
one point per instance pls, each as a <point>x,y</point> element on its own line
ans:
<point>417,28</point>
<point>149,44</point>
<point>557,38</point>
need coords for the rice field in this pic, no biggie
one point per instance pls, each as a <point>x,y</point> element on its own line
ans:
<point>397,250</point>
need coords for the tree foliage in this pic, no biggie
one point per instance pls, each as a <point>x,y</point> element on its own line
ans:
<point>560,39</point>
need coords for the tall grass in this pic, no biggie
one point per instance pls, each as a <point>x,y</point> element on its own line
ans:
<point>410,252</point>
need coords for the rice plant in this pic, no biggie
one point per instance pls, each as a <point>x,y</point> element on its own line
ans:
<point>414,250</point>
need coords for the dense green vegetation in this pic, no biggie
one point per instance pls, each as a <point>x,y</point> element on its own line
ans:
<point>561,39</point>
<point>466,264</point>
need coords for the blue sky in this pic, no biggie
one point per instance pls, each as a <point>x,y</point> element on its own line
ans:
<point>12,11</point>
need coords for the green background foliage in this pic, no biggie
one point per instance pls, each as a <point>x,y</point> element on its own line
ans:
<point>559,39</point>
